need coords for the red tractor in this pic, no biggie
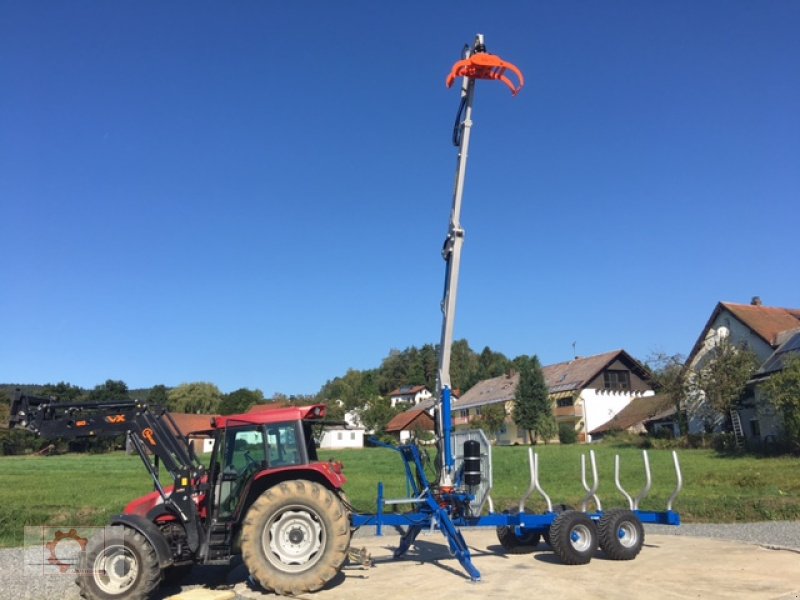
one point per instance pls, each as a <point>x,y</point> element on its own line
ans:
<point>263,495</point>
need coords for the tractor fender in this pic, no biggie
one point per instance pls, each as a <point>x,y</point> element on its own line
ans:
<point>151,532</point>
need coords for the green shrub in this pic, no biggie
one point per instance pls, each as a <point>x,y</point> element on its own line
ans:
<point>567,434</point>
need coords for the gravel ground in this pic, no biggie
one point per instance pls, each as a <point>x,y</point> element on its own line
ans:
<point>770,534</point>
<point>22,581</point>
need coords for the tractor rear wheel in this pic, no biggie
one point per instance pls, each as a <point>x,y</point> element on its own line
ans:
<point>118,563</point>
<point>573,536</point>
<point>295,537</point>
<point>621,534</point>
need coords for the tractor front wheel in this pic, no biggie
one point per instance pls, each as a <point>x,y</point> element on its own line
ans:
<point>118,563</point>
<point>295,537</point>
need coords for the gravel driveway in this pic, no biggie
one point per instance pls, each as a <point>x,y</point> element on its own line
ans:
<point>21,582</point>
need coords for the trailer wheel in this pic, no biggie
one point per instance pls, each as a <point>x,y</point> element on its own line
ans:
<point>119,562</point>
<point>621,534</point>
<point>557,509</point>
<point>574,537</point>
<point>516,540</point>
<point>295,537</point>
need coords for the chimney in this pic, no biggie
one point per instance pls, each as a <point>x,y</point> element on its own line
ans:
<point>756,301</point>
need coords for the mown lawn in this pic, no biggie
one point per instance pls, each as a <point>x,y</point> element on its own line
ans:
<point>81,489</point>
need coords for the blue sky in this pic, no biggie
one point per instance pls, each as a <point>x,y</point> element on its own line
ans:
<point>256,193</point>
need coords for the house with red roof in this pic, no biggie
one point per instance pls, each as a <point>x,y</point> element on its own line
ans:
<point>407,423</point>
<point>772,334</point>
<point>585,393</point>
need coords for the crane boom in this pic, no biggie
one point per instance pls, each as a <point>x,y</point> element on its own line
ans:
<point>476,64</point>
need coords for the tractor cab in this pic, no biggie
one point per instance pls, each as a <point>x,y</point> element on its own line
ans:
<point>243,451</point>
<point>257,448</point>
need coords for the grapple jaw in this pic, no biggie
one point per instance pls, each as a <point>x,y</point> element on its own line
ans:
<point>483,65</point>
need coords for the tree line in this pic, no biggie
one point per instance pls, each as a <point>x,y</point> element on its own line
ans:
<point>366,391</point>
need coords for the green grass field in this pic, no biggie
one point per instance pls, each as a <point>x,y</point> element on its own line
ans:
<point>82,489</point>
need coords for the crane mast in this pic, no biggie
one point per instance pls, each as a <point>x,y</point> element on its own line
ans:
<point>476,64</point>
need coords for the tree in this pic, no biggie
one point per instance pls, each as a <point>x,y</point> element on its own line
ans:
<point>159,395</point>
<point>492,419</point>
<point>667,374</point>
<point>112,390</point>
<point>783,391</point>
<point>64,392</point>
<point>377,415</point>
<point>195,398</point>
<point>240,401</point>
<point>532,411</point>
<point>464,370</point>
<point>492,364</point>
<point>724,377</point>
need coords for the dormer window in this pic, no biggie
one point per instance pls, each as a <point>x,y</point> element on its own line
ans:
<point>617,379</point>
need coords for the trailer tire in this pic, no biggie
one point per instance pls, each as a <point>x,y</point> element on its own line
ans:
<point>118,563</point>
<point>621,534</point>
<point>515,540</point>
<point>574,537</point>
<point>557,509</point>
<point>295,537</point>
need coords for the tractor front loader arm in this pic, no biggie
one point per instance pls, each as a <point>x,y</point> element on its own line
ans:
<point>151,430</point>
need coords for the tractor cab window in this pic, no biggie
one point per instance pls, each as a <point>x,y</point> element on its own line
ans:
<point>284,445</point>
<point>244,455</point>
<point>245,450</point>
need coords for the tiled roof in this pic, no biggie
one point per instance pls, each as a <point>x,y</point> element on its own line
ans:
<point>766,321</point>
<point>639,410</point>
<point>489,391</point>
<point>407,389</point>
<point>191,423</point>
<point>408,419</point>
<point>575,374</point>
<point>561,377</point>
<point>790,346</point>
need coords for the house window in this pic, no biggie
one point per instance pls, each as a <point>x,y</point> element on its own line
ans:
<point>478,411</point>
<point>564,402</point>
<point>352,435</point>
<point>617,380</point>
<point>464,413</point>
<point>339,435</point>
<point>755,428</point>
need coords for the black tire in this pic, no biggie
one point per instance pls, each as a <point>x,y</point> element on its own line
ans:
<point>295,537</point>
<point>574,537</point>
<point>118,563</point>
<point>621,534</point>
<point>516,540</point>
<point>557,509</point>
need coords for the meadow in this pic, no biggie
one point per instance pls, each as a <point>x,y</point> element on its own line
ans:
<point>87,489</point>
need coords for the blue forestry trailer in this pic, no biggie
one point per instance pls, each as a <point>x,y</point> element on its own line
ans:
<point>460,495</point>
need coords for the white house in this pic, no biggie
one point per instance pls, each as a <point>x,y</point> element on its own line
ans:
<point>766,331</point>
<point>585,393</point>
<point>351,436</point>
<point>409,396</point>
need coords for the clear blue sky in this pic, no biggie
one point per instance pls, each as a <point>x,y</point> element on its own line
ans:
<point>256,193</point>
